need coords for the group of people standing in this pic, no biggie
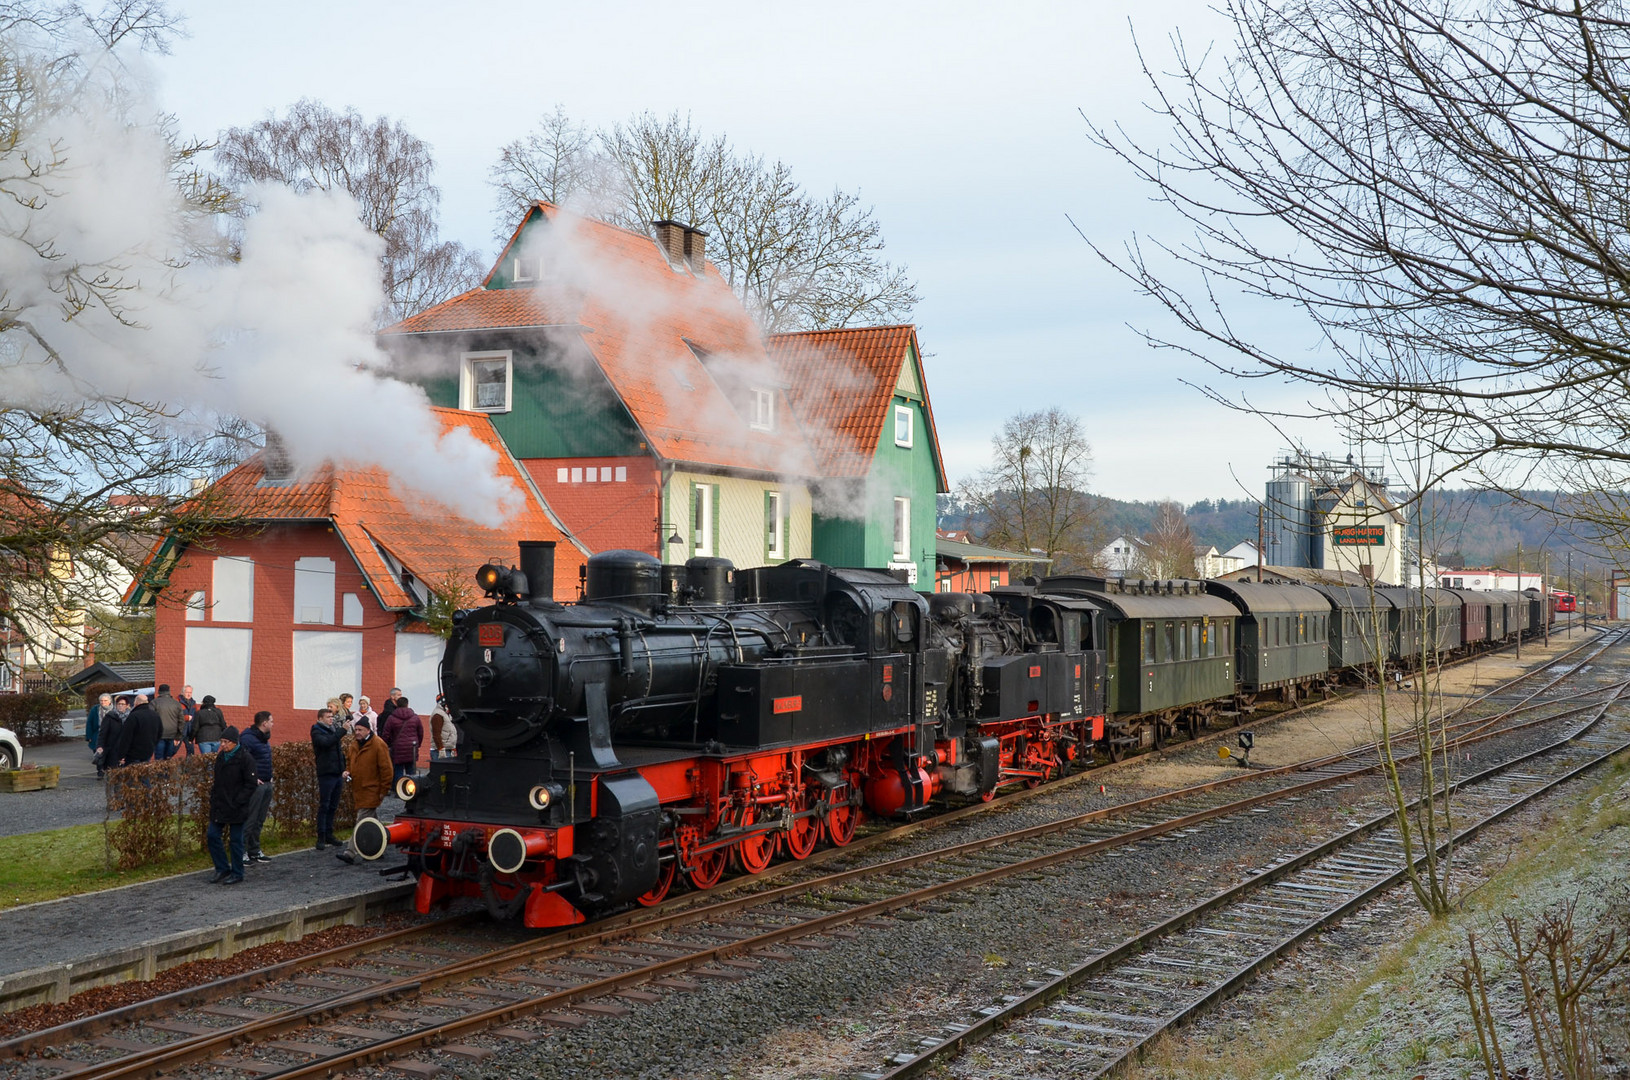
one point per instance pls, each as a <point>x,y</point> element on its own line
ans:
<point>134,729</point>
<point>384,747</point>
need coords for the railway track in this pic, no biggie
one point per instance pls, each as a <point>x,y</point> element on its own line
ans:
<point>303,1025</point>
<point>1096,1018</point>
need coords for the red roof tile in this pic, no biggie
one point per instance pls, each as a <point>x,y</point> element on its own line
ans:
<point>841,384</point>
<point>372,518</point>
<point>636,315</point>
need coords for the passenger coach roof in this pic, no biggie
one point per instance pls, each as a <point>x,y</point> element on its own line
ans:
<point>1252,597</point>
<point>1137,599</point>
<point>1353,598</point>
<point>1135,606</point>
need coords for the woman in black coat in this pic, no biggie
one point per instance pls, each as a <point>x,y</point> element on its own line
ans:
<point>229,797</point>
<point>207,725</point>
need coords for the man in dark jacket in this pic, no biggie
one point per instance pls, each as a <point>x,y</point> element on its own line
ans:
<point>403,733</point>
<point>229,798</point>
<point>138,735</point>
<point>172,722</point>
<point>93,720</point>
<point>256,742</point>
<point>108,740</point>
<point>326,735</point>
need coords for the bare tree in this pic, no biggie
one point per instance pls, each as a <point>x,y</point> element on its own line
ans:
<point>1169,550</point>
<point>1441,190</point>
<point>798,261</point>
<point>1034,496</point>
<point>89,480</point>
<point>558,162</point>
<point>385,168</point>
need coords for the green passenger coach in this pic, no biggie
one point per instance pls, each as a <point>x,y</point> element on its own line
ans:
<point>1170,654</point>
<point>1284,635</point>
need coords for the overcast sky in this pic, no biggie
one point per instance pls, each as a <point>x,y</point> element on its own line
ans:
<point>961,124</point>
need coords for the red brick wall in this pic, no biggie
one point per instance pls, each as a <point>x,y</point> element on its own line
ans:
<point>605,515</point>
<point>271,675</point>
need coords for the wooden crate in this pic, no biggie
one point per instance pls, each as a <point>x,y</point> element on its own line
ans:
<point>29,779</point>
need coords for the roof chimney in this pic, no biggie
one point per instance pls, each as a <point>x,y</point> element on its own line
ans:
<point>275,463</point>
<point>695,250</point>
<point>671,239</point>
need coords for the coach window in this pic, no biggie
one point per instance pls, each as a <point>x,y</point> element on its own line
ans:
<point>1148,643</point>
<point>1171,642</point>
<point>1194,641</point>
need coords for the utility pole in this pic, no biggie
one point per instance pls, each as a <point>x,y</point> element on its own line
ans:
<point>1519,595</point>
<point>1545,598</point>
<point>1260,554</point>
<point>1571,593</point>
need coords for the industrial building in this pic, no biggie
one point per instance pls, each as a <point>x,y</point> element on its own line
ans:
<point>1326,514</point>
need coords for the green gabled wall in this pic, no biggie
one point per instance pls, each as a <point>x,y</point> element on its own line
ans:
<point>558,407</point>
<point>895,471</point>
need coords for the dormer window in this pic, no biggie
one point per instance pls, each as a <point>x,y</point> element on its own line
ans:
<point>902,425</point>
<point>762,414</point>
<point>486,381</point>
<point>528,268</point>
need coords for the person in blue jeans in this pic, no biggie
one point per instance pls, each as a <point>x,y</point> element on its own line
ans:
<point>229,796</point>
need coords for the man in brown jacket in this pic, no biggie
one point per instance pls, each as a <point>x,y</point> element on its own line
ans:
<point>368,771</point>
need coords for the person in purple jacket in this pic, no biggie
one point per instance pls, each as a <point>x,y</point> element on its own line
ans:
<point>403,733</point>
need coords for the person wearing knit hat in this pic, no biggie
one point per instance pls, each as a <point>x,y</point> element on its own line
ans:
<point>229,797</point>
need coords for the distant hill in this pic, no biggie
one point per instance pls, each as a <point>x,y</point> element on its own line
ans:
<point>1466,528</point>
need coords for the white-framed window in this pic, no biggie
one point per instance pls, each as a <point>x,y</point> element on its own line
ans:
<point>775,526</point>
<point>314,590</point>
<point>762,416</point>
<point>704,513</point>
<point>529,268</point>
<point>486,381</point>
<point>196,608</point>
<point>902,425</point>
<point>902,529</point>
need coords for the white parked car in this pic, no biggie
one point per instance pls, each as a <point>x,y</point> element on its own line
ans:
<point>11,749</point>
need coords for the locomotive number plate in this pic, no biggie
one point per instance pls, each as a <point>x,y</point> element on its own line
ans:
<point>490,635</point>
<point>1035,671</point>
<point>788,704</point>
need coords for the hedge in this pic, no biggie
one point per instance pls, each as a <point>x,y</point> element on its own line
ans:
<point>164,805</point>
<point>36,718</point>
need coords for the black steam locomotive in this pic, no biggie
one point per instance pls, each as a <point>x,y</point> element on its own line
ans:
<point>678,719</point>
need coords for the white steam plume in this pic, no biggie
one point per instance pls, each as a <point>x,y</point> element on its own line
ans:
<point>283,338</point>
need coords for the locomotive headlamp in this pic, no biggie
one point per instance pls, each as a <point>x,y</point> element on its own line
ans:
<point>544,796</point>
<point>406,788</point>
<point>489,576</point>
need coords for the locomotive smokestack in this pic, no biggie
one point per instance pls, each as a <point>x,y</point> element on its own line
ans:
<point>538,564</point>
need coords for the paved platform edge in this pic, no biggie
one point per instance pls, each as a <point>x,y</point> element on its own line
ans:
<point>59,982</point>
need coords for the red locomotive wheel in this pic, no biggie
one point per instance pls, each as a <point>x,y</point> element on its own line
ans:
<point>841,822</point>
<point>755,853</point>
<point>803,836</point>
<point>666,872</point>
<point>706,870</point>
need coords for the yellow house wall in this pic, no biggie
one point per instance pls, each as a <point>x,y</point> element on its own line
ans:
<point>740,517</point>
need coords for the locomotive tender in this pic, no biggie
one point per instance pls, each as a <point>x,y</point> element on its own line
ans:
<point>680,719</point>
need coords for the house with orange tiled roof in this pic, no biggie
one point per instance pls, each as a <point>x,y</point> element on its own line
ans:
<point>631,384</point>
<point>862,400</point>
<point>322,585</point>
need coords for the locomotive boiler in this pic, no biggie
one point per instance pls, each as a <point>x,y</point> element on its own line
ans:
<point>676,720</point>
